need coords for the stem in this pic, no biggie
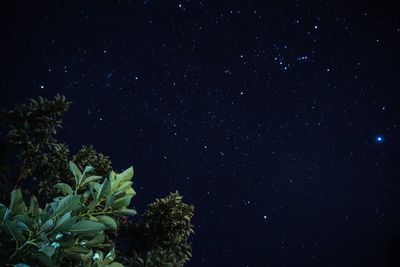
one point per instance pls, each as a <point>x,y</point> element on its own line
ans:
<point>18,249</point>
<point>95,213</point>
<point>76,190</point>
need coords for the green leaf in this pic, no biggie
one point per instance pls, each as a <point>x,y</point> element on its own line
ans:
<point>21,265</point>
<point>87,256</point>
<point>125,175</point>
<point>122,202</point>
<point>64,188</point>
<point>68,203</point>
<point>112,176</point>
<point>103,189</point>
<point>84,226</point>
<point>76,250</point>
<point>76,172</point>
<point>130,192</point>
<point>118,179</point>
<point>11,228</point>
<point>125,211</point>
<point>22,225</point>
<point>96,240</point>
<point>3,212</point>
<point>92,205</point>
<point>88,169</point>
<point>43,258</point>
<point>17,204</point>
<point>124,186</point>
<point>109,222</point>
<point>34,209</point>
<point>65,222</point>
<point>109,200</point>
<point>114,264</point>
<point>91,179</point>
<point>24,218</point>
<point>98,257</point>
<point>46,249</point>
<point>47,225</point>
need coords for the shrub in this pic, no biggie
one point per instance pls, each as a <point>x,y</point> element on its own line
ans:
<point>69,213</point>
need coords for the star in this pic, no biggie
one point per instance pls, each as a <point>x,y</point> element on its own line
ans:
<point>379,139</point>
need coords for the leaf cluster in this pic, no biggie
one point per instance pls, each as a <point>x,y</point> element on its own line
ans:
<point>161,238</point>
<point>73,229</point>
<point>83,203</point>
<point>29,147</point>
<point>87,155</point>
<point>31,155</point>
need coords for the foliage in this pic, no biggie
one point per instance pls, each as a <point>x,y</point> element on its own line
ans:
<point>32,130</point>
<point>72,229</point>
<point>85,203</point>
<point>30,146</point>
<point>161,238</point>
<point>87,155</point>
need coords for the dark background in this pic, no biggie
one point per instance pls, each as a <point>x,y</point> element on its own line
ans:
<point>265,115</point>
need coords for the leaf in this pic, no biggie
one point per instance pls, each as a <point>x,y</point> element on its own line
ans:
<point>118,179</point>
<point>76,250</point>
<point>22,265</point>
<point>122,202</point>
<point>91,179</point>
<point>88,169</point>
<point>125,211</point>
<point>112,176</point>
<point>3,212</point>
<point>98,256</point>
<point>114,264</point>
<point>22,225</point>
<point>68,203</point>
<point>47,225</point>
<point>46,249</point>
<point>103,189</point>
<point>96,240</point>
<point>64,188</point>
<point>109,222</point>
<point>109,200</point>
<point>76,172</point>
<point>92,205</point>
<point>23,218</point>
<point>125,175</point>
<point>65,222</point>
<point>130,191</point>
<point>87,256</point>
<point>34,209</point>
<point>11,228</point>
<point>17,204</point>
<point>43,258</point>
<point>84,226</point>
<point>124,186</point>
<point>109,258</point>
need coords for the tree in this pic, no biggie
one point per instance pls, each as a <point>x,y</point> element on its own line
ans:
<point>161,238</point>
<point>69,213</point>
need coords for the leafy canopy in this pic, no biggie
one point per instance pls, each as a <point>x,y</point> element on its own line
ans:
<point>74,228</point>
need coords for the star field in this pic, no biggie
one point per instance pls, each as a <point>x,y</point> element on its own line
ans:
<point>278,121</point>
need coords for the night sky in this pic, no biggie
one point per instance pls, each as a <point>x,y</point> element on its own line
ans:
<point>277,120</point>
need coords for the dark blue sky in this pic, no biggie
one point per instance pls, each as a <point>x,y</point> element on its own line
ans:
<point>263,114</point>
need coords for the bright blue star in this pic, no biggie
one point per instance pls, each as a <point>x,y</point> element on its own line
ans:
<point>379,139</point>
